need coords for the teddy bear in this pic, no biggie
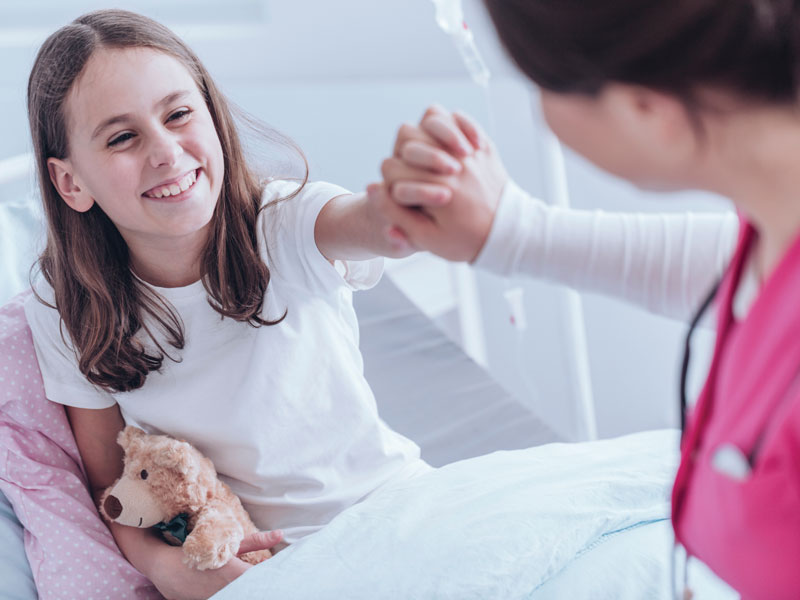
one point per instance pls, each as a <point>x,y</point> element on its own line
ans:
<point>168,484</point>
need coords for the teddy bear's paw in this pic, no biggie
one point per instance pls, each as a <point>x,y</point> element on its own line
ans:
<point>202,556</point>
<point>256,557</point>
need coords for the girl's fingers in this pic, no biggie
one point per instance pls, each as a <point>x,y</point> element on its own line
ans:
<point>471,129</point>
<point>424,156</point>
<point>411,193</point>
<point>435,109</point>
<point>448,134</point>
<point>395,169</point>
<point>408,133</point>
<point>261,540</point>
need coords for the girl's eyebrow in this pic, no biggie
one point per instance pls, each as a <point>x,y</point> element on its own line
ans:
<point>169,98</point>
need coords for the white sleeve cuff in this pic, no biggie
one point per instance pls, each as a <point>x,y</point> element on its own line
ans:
<point>360,274</point>
<point>512,229</point>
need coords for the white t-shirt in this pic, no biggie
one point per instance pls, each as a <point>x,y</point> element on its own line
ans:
<point>283,411</point>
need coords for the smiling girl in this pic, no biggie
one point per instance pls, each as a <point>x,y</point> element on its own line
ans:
<point>185,295</point>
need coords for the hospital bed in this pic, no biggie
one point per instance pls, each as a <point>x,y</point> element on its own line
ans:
<point>555,521</point>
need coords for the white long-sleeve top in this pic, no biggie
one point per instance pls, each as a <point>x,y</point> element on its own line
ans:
<point>666,263</point>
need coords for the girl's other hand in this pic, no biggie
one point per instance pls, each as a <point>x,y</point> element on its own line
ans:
<point>176,581</point>
<point>442,208</point>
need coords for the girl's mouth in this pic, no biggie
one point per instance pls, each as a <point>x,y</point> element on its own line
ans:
<point>174,192</point>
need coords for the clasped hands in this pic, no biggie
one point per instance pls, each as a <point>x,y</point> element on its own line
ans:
<point>441,187</point>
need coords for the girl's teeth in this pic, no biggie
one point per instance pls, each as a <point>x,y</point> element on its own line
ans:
<point>176,188</point>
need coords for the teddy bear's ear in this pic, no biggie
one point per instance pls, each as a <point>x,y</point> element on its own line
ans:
<point>130,435</point>
<point>178,456</point>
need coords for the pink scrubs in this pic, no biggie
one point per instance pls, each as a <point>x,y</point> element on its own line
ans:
<point>736,499</point>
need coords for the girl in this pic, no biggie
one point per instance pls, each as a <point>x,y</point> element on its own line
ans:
<point>669,95</point>
<point>186,296</point>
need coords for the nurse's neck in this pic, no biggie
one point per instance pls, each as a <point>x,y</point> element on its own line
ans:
<point>753,158</point>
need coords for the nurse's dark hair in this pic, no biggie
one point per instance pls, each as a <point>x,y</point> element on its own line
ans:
<point>748,47</point>
<point>102,305</point>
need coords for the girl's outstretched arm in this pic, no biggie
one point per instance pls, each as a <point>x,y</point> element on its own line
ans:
<point>350,227</point>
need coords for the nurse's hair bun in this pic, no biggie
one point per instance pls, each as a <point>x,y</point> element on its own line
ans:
<point>750,48</point>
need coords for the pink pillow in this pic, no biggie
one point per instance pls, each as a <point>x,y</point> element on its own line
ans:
<point>71,551</point>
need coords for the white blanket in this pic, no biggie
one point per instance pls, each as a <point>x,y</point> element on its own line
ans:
<point>497,526</point>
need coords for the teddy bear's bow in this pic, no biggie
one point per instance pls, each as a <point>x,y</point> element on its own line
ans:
<point>176,530</point>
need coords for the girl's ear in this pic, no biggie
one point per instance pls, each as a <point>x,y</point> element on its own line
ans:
<point>63,178</point>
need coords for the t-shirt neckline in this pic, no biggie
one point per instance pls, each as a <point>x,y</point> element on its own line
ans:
<point>176,293</point>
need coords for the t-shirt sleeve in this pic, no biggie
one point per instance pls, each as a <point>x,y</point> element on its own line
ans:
<point>63,381</point>
<point>291,248</point>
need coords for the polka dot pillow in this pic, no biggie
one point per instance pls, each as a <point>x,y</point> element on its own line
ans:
<point>71,552</point>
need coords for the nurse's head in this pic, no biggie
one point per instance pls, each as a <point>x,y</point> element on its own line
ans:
<point>646,89</point>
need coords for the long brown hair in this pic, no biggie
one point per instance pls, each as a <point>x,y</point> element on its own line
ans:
<point>749,47</point>
<point>101,303</point>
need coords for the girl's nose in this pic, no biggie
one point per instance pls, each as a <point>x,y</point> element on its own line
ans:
<point>164,150</point>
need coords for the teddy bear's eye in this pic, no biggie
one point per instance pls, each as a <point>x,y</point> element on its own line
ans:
<point>143,474</point>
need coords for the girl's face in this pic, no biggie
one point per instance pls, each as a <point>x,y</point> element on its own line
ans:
<point>636,134</point>
<point>143,146</point>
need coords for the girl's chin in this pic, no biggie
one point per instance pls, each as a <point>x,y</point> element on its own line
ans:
<point>176,226</point>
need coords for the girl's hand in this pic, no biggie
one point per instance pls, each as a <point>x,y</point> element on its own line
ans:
<point>176,581</point>
<point>445,180</point>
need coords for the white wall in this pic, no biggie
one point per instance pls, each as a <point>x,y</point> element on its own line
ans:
<point>339,77</point>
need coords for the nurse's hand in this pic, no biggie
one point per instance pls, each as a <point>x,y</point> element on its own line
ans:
<point>445,179</point>
<point>176,581</point>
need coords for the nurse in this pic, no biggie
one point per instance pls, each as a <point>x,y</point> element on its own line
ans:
<point>670,95</point>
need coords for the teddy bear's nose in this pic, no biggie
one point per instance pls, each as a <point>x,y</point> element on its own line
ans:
<point>113,507</point>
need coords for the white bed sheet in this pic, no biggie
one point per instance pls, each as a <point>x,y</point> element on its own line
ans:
<point>498,526</point>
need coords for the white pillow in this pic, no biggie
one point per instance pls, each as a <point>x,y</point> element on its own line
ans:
<point>21,236</point>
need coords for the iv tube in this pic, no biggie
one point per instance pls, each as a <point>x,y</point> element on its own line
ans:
<point>450,18</point>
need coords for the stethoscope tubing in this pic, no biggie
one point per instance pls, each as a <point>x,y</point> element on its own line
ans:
<point>687,347</point>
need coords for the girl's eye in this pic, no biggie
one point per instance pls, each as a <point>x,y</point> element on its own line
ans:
<point>122,138</point>
<point>143,474</point>
<point>180,115</point>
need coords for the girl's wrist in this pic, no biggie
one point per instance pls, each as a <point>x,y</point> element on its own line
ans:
<point>162,560</point>
<point>144,549</point>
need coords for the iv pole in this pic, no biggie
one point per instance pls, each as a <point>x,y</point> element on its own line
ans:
<point>449,17</point>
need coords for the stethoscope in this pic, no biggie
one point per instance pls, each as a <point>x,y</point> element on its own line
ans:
<point>687,350</point>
